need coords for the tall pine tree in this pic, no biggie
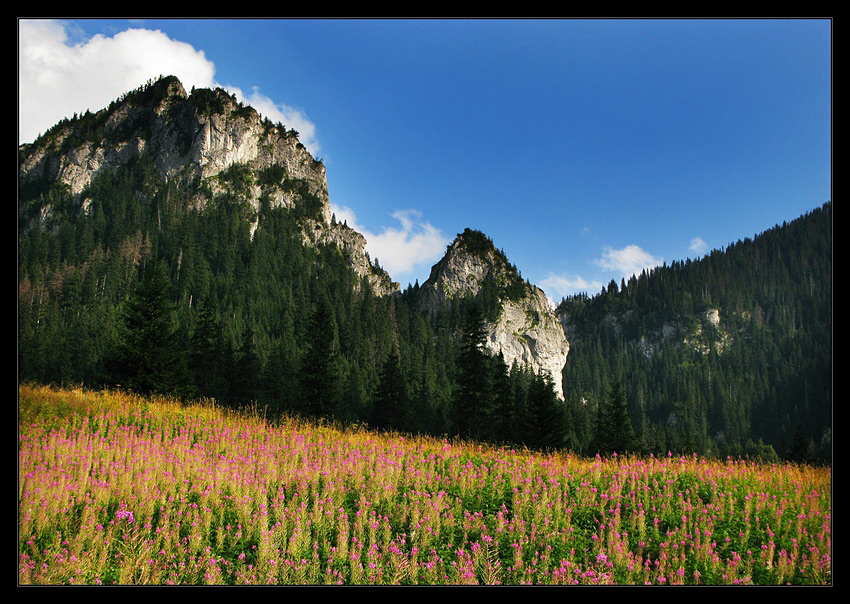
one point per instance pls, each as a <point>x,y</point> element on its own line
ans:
<point>615,433</point>
<point>321,366</point>
<point>391,398</point>
<point>473,400</point>
<point>546,421</point>
<point>149,358</point>
<point>207,362</point>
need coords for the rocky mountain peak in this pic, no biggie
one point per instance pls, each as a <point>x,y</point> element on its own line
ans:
<point>193,136</point>
<point>204,137</point>
<point>471,264</point>
<point>521,323</point>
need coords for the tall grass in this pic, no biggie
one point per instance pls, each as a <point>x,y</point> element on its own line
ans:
<point>115,489</point>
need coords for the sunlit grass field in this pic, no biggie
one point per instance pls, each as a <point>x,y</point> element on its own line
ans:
<point>114,489</point>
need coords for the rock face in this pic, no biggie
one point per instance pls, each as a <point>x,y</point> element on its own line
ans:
<point>525,329</point>
<point>206,138</point>
<point>703,334</point>
<point>353,246</point>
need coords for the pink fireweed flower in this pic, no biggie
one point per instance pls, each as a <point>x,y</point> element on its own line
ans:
<point>125,514</point>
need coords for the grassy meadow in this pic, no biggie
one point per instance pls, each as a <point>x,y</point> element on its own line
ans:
<point>115,489</point>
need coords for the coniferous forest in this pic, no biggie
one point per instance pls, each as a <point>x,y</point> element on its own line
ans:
<point>143,293</point>
<point>758,382</point>
<point>148,292</point>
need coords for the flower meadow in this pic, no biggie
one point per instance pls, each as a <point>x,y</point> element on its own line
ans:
<point>115,489</point>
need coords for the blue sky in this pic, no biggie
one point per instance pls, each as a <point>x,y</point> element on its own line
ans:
<point>585,149</point>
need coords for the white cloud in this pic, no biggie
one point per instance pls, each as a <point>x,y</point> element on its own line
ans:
<point>400,250</point>
<point>561,286</point>
<point>698,246</point>
<point>628,261</point>
<point>58,77</point>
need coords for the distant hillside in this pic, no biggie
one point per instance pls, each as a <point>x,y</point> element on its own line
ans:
<point>729,353</point>
<point>520,324</point>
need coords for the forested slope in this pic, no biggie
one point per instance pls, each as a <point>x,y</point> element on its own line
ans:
<point>161,274</point>
<point>728,354</point>
<point>234,282</point>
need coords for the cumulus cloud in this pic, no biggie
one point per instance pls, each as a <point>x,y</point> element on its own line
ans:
<point>698,246</point>
<point>400,250</point>
<point>628,261</point>
<point>561,286</point>
<point>58,77</point>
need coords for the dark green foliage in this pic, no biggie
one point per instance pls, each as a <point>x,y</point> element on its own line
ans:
<point>513,287</point>
<point>208,358</point>
<point>614,431</point>
<point>272,175</point>
<point>505,403</point>
<point>152,93</point>
<point>546,421</point>
<point>766,368</point>
<point>245,383</point>
<point>799,446</point>
<point>145,289</point>
<point>476,243</point>
<point>209,102</point>
<point>473,401</point>
<point>391,399</point>
<point>238,177</point>
<point>321,370</point>
<point>149,359</point>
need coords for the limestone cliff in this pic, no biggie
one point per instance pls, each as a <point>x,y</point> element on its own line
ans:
<point>523,326</point>
<point>702,333</point>
<point>205,138</point>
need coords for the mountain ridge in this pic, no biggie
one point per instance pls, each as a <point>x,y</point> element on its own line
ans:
<point>731,352</point>
<point>205,138</point>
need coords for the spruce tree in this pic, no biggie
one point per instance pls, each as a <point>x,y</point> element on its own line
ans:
<point>600,443</point>
<point>545,415</point>
<point>245,382</point>
<point>206,360</point>
<point>473,400</point>
<point>618,423</point>
<point>321,369</point>
<point>800,446</point>
<point>503,425</point>
<point>391,399</point>
<point>149,359</point>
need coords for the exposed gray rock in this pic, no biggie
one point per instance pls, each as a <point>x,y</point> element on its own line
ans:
<point>353,245</point>
<point>526,330</point>
<point>200,137</point>
<point>702,335</point>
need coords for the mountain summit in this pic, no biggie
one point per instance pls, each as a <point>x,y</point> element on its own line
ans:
<point>521,325</point>
<point>218,147</point>
<point>205,140</point>
<point>161,156</point>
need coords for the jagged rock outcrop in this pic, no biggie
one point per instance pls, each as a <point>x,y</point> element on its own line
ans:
<point>525,329</point>
<point>206,138</point>
<point>353,245</point>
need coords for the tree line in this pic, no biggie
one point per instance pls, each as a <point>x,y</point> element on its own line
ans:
<point>145,291</point>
